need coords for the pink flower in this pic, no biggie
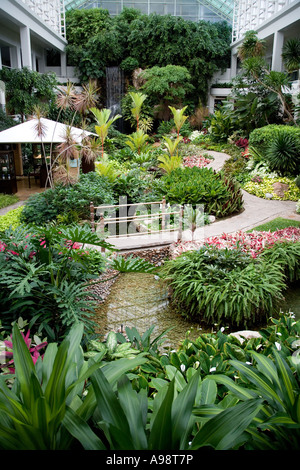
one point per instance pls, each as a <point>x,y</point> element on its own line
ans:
<point>33,350</point>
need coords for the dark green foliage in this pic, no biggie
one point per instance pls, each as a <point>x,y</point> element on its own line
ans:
<point>223,285</point>
<point>283,154</point>
<point>220,195</point>
<point>6,121</point>
<point>69,203</point>
<point>260,138</point>
<point>26,88</point>
<point>147,40</point>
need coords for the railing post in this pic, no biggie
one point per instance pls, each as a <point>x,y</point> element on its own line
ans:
<point>163,214</point>
<point>92,212</point>
<point>180,224</point>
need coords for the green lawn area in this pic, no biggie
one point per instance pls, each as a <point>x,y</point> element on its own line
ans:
<point>276,224</point>
<point>7,200</point>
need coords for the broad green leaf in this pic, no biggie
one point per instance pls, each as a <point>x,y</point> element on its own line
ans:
<point>161,431</point>
<point>182,412</point>
<point>24,366</point>
<point>79,429</point>
<point>131,403</point>
<point>109,408</point>
<point>241,392</point>
<point>222,431</point>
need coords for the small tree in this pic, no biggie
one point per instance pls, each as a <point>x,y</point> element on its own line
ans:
<point>103,123</point>
<point>167,86</point>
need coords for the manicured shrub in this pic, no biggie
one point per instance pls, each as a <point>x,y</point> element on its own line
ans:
<point>220,195</point>
<point>261,137</point>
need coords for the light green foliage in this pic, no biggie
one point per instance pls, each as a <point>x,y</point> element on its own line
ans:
<point>103,123</point>
<point>138,141</point>
<point>7,200</point>
<point>266,187</point>
<point>169,163</point>
<point>11,218</point>
<point>172,144</point>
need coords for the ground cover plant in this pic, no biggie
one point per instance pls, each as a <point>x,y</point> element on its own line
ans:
<point>7,200</point>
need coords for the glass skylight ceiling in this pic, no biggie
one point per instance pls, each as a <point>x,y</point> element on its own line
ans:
<point>194,10</point>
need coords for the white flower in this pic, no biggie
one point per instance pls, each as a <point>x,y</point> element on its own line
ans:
<point>212,369</point>
<point>182,367</point>
<point>278,346</point>
<point>279,334</point>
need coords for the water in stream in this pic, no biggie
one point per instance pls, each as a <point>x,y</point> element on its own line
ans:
<point>141,300</point>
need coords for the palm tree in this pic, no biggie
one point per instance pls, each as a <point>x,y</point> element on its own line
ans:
<point>104,122</point>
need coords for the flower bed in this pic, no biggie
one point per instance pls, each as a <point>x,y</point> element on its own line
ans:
<point>252,243</point>
<point>265,186</point>
<point>196,160</point>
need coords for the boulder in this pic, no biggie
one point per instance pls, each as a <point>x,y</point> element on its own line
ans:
<point>280,189</point>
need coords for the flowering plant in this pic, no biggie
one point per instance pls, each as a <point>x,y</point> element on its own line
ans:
<point>243,143</point>
<point>196,160</point>
<point>252,243</point>
<point>33,349</point>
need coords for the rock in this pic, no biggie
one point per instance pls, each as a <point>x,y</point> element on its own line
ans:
<point>280,189</point>
<point>246,334</point>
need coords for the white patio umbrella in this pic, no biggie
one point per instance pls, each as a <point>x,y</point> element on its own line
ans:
<point>54,132</point>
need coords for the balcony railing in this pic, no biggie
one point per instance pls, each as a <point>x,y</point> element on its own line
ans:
<point>51,12</point>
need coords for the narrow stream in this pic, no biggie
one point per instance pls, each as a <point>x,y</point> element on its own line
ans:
<point>141,301</point>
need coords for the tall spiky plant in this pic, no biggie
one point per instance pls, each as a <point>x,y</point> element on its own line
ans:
<point>103,123</point>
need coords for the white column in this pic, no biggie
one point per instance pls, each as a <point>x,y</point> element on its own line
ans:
<point>277,51</point>
<point>63,64</point>
<point>2,87</point>
<point>25,46</point>
<point>15,57</point>
<point>233,65</point>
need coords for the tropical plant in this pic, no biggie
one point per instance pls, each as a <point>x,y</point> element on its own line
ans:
<point>137,101</point>
<point>223,285</point>
<point>276,381</point>
<point>103,123</point>
<point>219,194</point>
<point>51,392</point>
<point>179,118</point>
<point>169,163</point>
<point>291,54</point>
<point>106,168</point>
<point>221,126</point>
<point>172,144</point>
<point>283,154</point>
<point>137,141</point>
